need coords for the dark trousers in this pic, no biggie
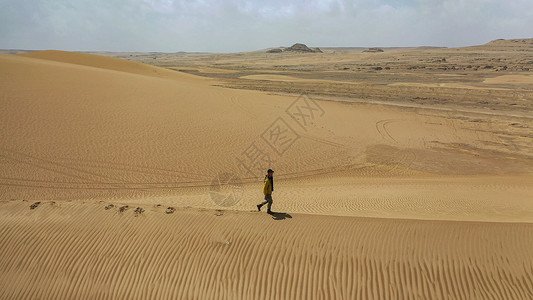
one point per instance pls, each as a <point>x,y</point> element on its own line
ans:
<point>268,200</point>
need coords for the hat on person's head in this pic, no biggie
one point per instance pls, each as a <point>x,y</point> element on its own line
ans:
<point>270,171</point>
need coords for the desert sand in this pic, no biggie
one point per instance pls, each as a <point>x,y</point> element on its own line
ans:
<point>127,180</point>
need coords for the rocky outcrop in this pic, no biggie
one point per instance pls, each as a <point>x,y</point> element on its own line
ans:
<point>302,48</point>
<point>374,50</point>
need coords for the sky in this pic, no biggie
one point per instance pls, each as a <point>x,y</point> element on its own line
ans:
<point>234,26</point>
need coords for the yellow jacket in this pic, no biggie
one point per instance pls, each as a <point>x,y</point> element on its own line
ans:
<point>267,188</point>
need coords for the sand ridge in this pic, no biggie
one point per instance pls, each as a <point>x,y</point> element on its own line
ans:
<point>104,62</point>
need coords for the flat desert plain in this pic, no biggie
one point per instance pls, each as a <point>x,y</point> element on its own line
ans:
<point>404,174</point>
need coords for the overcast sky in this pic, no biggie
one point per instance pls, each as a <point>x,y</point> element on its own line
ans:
<point>231,26</point>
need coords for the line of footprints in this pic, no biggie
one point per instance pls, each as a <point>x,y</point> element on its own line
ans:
<point>138,211</point>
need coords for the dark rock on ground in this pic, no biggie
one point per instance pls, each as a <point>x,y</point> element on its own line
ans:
<point>374,50</point>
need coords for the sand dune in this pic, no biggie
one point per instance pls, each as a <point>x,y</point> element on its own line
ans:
<point>274,77</point>
<point>224,254</point>
<point>102,62</point>
<point>378,202</point>
<point>511,79</point>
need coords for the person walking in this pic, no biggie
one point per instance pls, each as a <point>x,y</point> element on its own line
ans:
<point>268,188</point>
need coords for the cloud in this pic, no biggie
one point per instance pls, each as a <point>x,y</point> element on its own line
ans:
<point>227,26</point>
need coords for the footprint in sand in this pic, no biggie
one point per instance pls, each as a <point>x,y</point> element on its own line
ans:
<point>110,206</point>
<point>123,208</point>
<point>170,210</point>
<point>34,205</point>
<point>138,211</point>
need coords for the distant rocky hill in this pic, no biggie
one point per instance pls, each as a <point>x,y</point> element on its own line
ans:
<point>301,48</point>
<point>508,45</point>
<point>510,42</point>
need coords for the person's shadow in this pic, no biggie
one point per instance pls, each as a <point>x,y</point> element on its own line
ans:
<point>280,216</point>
